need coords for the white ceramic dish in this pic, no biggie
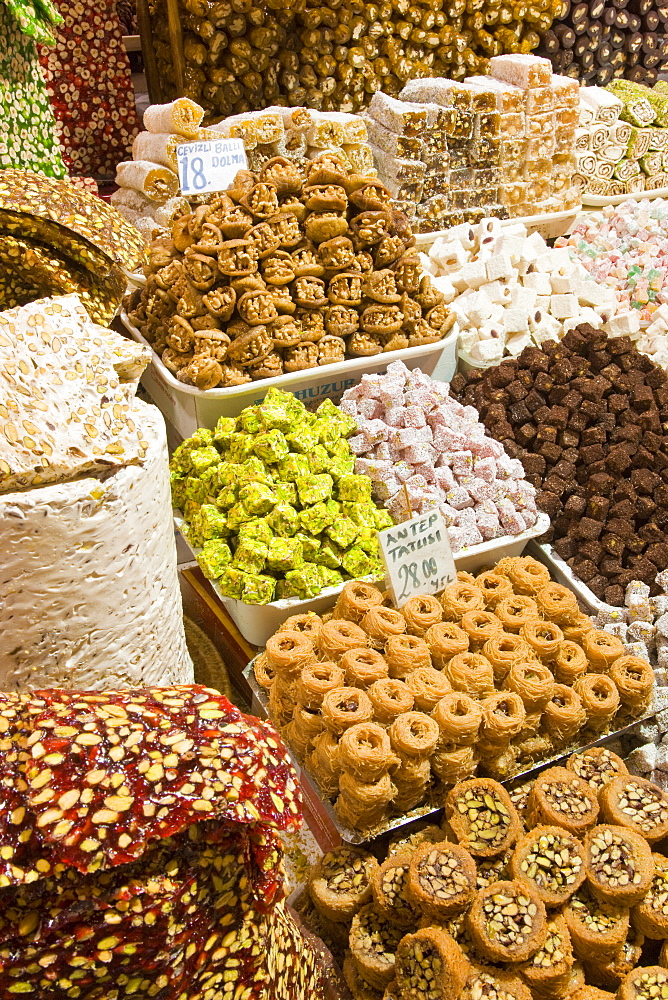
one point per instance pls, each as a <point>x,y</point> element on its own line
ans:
<point>601,200</point>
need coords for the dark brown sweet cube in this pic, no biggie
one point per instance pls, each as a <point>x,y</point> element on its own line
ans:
<point>614,595</point>
<point>613,544</point>
<point>618,460</point>
<point>602,484</point>
<point>578,420</point>
<point>589,529</point>
<point>651,533</point>
<point>533,400</point>
<point>642,397</point>
<point>592,453</point>
<point>534,465</point>
<point>549,502</point>
<point>598,508</point>
<point>567,547</point>
<point>584,568</point>
<point>645,507</point>
<point>544,382</point>
<point>618,526</point>
<point>517,390</point>
<point>634,543</point>
<point>525,434</point>
<point>593,435</point>
<point>576,505</point>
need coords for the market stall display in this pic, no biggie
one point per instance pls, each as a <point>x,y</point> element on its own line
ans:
<point>502,670</point>
<point>233,58</point>
<point>423,451</point>
<point>585,417</point>
<point>57,238</point>
<point>287,270</point>
<point>162,882</point>
<point>89,594</point>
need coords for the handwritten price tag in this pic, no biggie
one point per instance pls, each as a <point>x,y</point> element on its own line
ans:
<point>209,166</point>
<point>417,557</point>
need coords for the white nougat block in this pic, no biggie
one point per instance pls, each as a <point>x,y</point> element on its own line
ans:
<point>498,292</point>
<point>445,287</point>
<point>516,320</point>
<point>479,308</point>
<point>561,281</point>
<point>623,325</point>
<point>471,275</point>
<point>449,256</point>
<point>542,333</point>
<point>657,327</point>
<point>540,283</point>
<point>427,263</point>
<point>563,306</point>
<point>590,293</point>
<point>467,338</point>
<point>516,343</point>
<point>585,315</point>
<point>499,266</point>
<point>488,350</point>
<point>512,245</point>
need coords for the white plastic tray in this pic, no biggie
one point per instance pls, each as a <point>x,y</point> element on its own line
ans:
<point>550,225</point>
<point>187,408</point>
<point>601,200</point>
<point>257,622</point>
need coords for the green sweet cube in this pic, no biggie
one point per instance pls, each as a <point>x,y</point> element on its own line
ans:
<point>228,473</point>
<point>195,489</point>
<point>285,554</point>
<point>314,520</point>
<point>328,432</point>
<point>178,485</point>
<point>286,493</point>
<point>238,515</point>
<point>257,528</point>
<point>356,562</point>
<point>191,509</point>
<point>355,489</point>
<point>313,489</point>
<point>225,427</point>
<point>362,514</point>
<point>340,467</point>
<point>274,412</point>
<point>306,579</point>
<point>232,582</point>
<point>250,555</point>
<point>319,460</point>
<point>257,498</point>
<point>227,497</point>
<point>329,577</point>
<point>286,590</point>
<point>310,545</point>
<point>258,589</point>
<point>193,533</point>
<point>253,470</point>
<point>328,555</point>
<point>283,519</point>
<point>340,451</point>
<point>271,446</point>
<point>343,531</point>
<point>302,439</point>
<point>212,522</point>
<point>202,438</point>
<point>203,458</point>
<point>241,447</point>
<point>382,518</point>
<point>214,558</point>
<point>292,466</point>
<point>250,421</point>
<point>368,540</point>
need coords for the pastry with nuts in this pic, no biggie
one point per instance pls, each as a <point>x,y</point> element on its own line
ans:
<point>552,860</point>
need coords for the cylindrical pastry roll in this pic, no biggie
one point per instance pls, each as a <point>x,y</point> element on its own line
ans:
<point>421,833</point>
<point>526,574</point>
<point>459,598</point>
<point>498,761</point>
<point>515,612</point>
<point>608,972</point>
<point>548,971</point>
<point>494,587</point>
<point>363,666</point>
<point>480,626</point>
<point>470,673</point>
<point>308,623</point>
<point>495,983</point>
<point>600,699</point>
<point>650,915</point>
<point>414,734</point>
<point>519,795</point>
<point>490,870</point>
<point>637,804</point>
<point>365,751</point>
<point>282,701</point>
<point>356,598</point>
<point>324,763</point>
<point>601,649</point>
<point>389,884</point>
<point>560,798</point>
<point>643,982</point>
<point>597,766</point>
<point>405,653</point>
<point>482,817</point>
<point>452,763</point>
<point>619,864</point>
<point>596,928</point>
<point>503,651</point>
<point>181,116</point>
<point>305,726</point>
<point>411,777</point>
<point>262,672</point>
<point>435,949</point>
<point>441,879</point>
<point>428,687</point>
<point>158,147</point>
<point>543,637</point>
<point>315,680</point>
<point>389,698</point>
<point>289,651</point>
<point>533,682</point>
<point>557,603</point>
<point>445,640</point>
<point>503,715</point>
<point>345,707</point>
<point>373,943</point>
<point>569,662</point>
<point>552,860</point>
<point>563,715</point>
<point>421,613</point>
<point>339,884</point>
<point>380,624</point>
<point>337,637</point>
<point>635,681</point>
<point>459,718</point>
<point>577,627</point>
<point>159,184</point>
<point>361,805</point>
<point>507,921</point>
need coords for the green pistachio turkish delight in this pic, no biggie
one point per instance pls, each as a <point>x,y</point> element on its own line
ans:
<point>223,432</point>
<point>306,579</point>
<point>356,562</point>
<point>232,582</point>
<point>292,466</point>
<point>250,555</point>
<point>310,545</point>
<point>271,446</point>
<point>283,520</point>
<point>329,577</point>
<point>227,497</point>
<point>313,489</point>
<point>328,554</point>
<point>286,493</point>
<point>212,522</point>
<point>343,531</point>
<point>355,488</point>
<point>258,589</point>
<point>214,558</point>
<point>285,554</point>
<point>257,528</point>
<point>257,498</point>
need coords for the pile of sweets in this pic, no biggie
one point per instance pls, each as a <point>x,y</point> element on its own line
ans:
<point>423,451</point>
<point>331,55</point>
<point>136,862</point>
<point>499,145</point>
<point>508,290</point>
<point>286,270</point>
<point>89,593</point>
<point>561,895</point>
<point>271,499</point>
<point>502,670</point>
<point>57,238</point>
<point>587,418</point>
<point>622,141</point>
<point>626,249</point>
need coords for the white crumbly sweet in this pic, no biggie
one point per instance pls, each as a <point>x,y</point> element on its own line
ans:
<point>89,594</point>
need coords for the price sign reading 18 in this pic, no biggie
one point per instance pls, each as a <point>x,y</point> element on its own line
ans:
<point>210,166</point>
<point>417,557</point>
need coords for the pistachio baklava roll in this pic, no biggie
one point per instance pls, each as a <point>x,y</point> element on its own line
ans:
<point>543,637</point>
<point>650,915</point>
<point>557,604</point>
<point>494,587</point>
<point>339,884</point>
<point>288,651</point>
<point>548,971</point>
<point>503,716</point>
<point>494,983</point>
<point>356,598</point>
<point>452,763</point>
<point>597,929</point>
<point>389,884</point>
<point>552,860</point>
<point>601,649</point>
<point>619,864</point>
<point>263,673</point>
<point>405,653</point>
<point>362,805</point>
<point>482,817</point>
<point>470,673</point>
<point>324,762</point>
<point>600,699</point>
<point>560,798</point>
<point>577,627</point>
<point>441,879</point>
<point>634,679</point>
<point>308,624</point>
<point>644,982</point>
<point>563,716</point>
<point>525,573</point>
<point>306,725</point>
<point>637,804</point>
<point>365,751</point>
<point>373,943</point>
<point>432,949</point>
<point>421,613</point>
<point>504,650</point>
<point>414,734</point>
<point>363,666</point>
<point>507,921</point>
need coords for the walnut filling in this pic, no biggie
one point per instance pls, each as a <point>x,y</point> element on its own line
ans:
<point>552,864</point>
<point>488,819</point>
<point>612,860</point>
<point>644,806</point>
<point>651,985</point>
<point>597,917</point>
<point>509,918</point>
<point>422,968</point>
<point>565,797</point>
<point>596,771</point>
<point>552,952</point>
<point>440,874</point>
